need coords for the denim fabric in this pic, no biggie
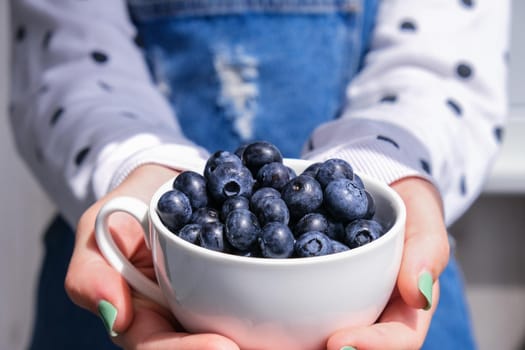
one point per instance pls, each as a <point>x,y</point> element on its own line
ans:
<point>235,71</point>
<point>146,10</point>
<point>238,71</point>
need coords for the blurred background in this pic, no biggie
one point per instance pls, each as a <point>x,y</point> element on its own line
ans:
<point>490,237</point>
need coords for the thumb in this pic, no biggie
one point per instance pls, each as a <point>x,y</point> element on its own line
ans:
<point>90,281</point>
<point>426,250</point>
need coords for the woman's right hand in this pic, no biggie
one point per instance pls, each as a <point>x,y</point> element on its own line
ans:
<point>133,321</point>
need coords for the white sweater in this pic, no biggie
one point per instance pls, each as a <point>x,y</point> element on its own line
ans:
<point>430,101</point>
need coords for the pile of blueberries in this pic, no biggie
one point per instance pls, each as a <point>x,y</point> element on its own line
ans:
<point>249,203</point>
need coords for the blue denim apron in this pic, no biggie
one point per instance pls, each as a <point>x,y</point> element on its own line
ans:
<point>237,71</point>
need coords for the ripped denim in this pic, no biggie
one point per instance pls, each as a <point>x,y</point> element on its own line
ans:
<point>237,71</point>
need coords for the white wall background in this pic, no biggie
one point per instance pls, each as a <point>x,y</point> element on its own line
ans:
<point>24,212</point>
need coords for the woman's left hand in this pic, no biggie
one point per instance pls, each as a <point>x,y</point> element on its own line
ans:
<point>406,319</point>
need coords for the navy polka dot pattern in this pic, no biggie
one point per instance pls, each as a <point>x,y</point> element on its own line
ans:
<point>498,134</point>
<point>388,139</point>
<point>388,98</point>
<point>138,40</point>
<point>310,144</point>
<point>20,34</point>
<point>56,116</point>
<point>420,93</point>
<point>456,108</point>
<point>105,86</point>
<point>129,114</point>
<point>468,3</point>
<point>464,70</point>
<point>47,39</point>
<point>81,156</point>
<point>43,89</point>
<point>408,26</point>
<point>463,185</point>
<point>425,165</point>
<point>99,57</point>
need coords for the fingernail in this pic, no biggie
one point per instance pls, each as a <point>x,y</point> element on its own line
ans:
<point>348,347</point>
<point>424,284</point>
<point>108,314</point>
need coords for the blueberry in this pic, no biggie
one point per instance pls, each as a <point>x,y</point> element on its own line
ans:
<point>371,208</point>
<point>260,194</point>
<point>254,252</point>
<point>232,203</point>
<point>242,229</point>
<point>332,169</point>
<point>336,229</point>
<point>228,180</point>
<point>338,247</point>
<point>259,153</point>
<point>204,215</point>
<point>303,195</point>
<point>276,241</point>
<point>273,209</point>
<point>274,175</point>
<point>174,209</point>
<point>193,185</point>
<point>218,158</point>
<point>191,233</point>
<point>239,152</point>
<point>311,222</point>
<point>358,181</point>
<point>212,237</point>
<point>313,243</point>
<point>345,200</point>
<point>245,202</point>
<point>362,231</point>
<point>291,173</point>
<point>312,169</point>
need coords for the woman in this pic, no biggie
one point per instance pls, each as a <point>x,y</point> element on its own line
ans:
<point>115,98</point>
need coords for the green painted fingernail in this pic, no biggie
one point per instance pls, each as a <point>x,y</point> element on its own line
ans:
<point>108,314</point>
<point>424,284</point>
<point>347,347</point>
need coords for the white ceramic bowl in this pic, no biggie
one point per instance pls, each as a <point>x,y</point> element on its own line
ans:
<point>269,303</point>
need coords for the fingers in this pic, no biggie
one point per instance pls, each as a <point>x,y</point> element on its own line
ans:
<point>94,285</point>
<point>151,331</point>
<point>91,282</point>
<point>426,250</point>
<point>400,327</point>
<point>406,319</point>
<point>132,321</point>
<point>188,342</point>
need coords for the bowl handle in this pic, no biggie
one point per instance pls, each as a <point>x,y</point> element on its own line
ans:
<point>108,247</point>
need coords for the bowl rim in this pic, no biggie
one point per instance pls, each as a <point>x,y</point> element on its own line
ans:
<point>397,228</point>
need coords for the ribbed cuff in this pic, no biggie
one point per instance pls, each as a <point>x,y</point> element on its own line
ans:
<point>376,160</point>
<point>179,157</point>
<point>379,150</point>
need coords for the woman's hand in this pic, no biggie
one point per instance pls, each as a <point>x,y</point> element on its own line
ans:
<point>133,321</point>
<point>137,323</point>
<point>405,321</point>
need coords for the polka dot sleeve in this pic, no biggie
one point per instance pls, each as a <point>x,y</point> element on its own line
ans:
<point>77,71</point>
<point>431,99</point>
